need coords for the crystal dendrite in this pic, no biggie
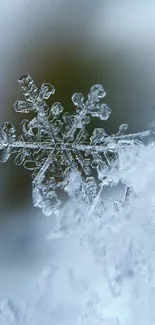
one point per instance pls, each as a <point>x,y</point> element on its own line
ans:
<point>64,159</point>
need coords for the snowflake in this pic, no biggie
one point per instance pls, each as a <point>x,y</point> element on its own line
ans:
<point>57,148</point>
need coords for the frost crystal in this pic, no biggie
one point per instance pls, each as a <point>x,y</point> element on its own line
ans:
<point>67,162</point>
<point>58,149</point>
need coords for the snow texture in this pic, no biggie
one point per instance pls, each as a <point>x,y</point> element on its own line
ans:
<point>119,235</point>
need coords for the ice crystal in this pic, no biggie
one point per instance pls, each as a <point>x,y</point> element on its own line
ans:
<point>58,149</point>
<point>68,162</point>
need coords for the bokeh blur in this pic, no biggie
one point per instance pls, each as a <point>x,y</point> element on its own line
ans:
<point>73,45</point>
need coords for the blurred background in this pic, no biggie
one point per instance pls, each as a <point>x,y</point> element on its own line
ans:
<point>72,44</point>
